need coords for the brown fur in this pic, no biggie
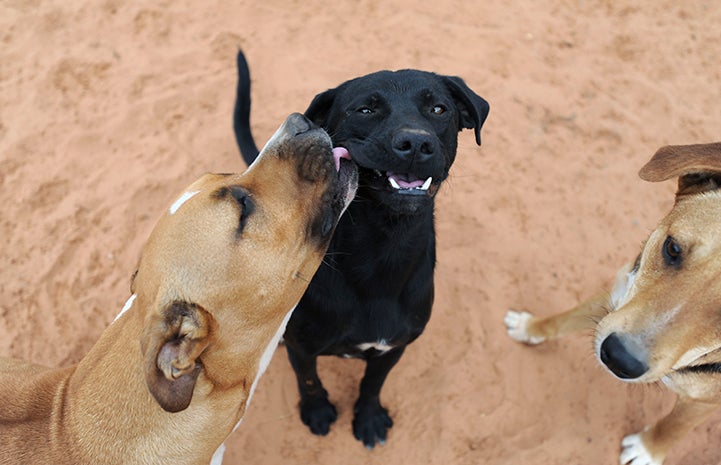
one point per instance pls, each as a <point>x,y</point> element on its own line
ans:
<point>209,301</point>
<point>670,312</point>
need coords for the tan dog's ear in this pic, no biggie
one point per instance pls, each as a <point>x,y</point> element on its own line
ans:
<point>697,166</point>
<point>171,345</point>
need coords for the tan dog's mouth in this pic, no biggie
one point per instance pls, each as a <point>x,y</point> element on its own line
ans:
<point>700,359</point>
<point>347,177</point>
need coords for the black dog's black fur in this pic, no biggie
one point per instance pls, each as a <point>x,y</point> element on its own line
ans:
<point>376,282</point>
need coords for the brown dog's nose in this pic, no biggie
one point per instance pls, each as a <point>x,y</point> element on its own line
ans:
<point>415,145</point>
<point>615,355</point>
<point>297,123</point>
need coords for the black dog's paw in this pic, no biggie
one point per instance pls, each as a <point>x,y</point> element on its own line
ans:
<point>318,414</point>
<point>371,423</point>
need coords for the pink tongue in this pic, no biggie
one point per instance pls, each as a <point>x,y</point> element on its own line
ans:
<point>406,181</point>
<point>338,153</point>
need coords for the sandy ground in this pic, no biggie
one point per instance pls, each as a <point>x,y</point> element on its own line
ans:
<point>109,108</point>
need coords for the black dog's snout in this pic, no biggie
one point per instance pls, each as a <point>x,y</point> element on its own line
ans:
<point>298,124</point>
<point>416,145</point>
<point>619,360</point>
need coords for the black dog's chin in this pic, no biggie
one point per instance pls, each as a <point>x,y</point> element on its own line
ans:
<point>398,202</point>
<point>405,204</point>
<point>374,185</point>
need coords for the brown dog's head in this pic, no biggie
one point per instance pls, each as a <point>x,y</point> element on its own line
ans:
<point>237,252</point>
<point>667,307</point>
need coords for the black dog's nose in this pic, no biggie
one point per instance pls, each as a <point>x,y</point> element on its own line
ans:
<point>298,124</point>
<point>619,360</point>
<point>414,144</point>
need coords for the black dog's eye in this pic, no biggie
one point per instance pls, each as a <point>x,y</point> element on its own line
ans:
<point>438,109</point>
<point>364,110</point>
<point>671,252</point>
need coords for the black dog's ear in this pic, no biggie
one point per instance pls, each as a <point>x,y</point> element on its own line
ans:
<point>472,107</point>
<point>697,166</point>
<point>319,108</point>
<point>172,343</point>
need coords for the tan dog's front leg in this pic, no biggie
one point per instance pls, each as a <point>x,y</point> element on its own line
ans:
<point>524,327</point>
<point>650,446</point>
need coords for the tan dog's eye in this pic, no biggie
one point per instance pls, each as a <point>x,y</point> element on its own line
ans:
<point>247,207</point>
<point>243,200</point>
<point>671,252</point>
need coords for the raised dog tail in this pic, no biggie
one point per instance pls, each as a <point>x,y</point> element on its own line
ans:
<point>241,113</point>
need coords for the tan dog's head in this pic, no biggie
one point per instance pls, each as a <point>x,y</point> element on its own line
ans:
<point>232,256</point>
<point>666,314</point>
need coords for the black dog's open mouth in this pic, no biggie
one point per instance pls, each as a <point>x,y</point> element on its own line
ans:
<point>404,183</point>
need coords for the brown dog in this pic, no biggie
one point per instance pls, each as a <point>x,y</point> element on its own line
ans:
<point>217,280</point>
<point>662,319</point>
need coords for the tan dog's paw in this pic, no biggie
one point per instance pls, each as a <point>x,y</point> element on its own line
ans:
<point>517,325</point>
<point>635,453</point>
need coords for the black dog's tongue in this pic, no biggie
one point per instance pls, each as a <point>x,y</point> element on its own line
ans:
<point>404,181</point>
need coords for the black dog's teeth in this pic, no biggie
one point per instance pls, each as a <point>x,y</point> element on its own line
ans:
<point>424,187</point>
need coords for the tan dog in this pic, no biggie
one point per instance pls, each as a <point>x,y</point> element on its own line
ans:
<point>662,320</point>
<point>215,285</point>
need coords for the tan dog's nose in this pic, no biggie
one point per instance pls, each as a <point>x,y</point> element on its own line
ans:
<point>615,354</point>
<point>297,124</point>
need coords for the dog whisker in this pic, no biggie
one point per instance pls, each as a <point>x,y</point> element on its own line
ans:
<point>329,264</point>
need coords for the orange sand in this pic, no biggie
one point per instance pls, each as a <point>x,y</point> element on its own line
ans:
<point>109,108</point>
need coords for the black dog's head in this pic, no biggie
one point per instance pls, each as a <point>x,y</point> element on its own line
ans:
<point>401,128</point>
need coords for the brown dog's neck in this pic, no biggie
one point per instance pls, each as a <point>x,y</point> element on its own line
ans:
<point>130,417</point>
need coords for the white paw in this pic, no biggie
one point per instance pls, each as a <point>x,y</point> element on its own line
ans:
<point>635,453</point>
<point>517,324</point>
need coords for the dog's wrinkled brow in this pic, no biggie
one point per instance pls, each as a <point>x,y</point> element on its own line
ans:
<point>241,198</point>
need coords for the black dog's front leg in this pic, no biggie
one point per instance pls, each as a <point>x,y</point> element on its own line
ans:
<point>371,420</point>
<point>315,409</point>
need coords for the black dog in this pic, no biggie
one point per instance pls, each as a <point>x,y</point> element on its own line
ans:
<point>373,293</point>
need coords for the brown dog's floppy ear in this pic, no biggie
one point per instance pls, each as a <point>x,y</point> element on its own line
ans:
<point>171,345</point>
<point>698,167</point>
<point>472,107</point>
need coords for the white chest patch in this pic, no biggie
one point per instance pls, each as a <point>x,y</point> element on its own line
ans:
<point>381,346</point>
<point>126,307</point>
<point>268,355</point>
<point>217,458</point>
<point>263,365</point>
<point>181,200</point>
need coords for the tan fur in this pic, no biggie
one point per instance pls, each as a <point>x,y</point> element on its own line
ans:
<point>672,314</point>
<point>238,289</point>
